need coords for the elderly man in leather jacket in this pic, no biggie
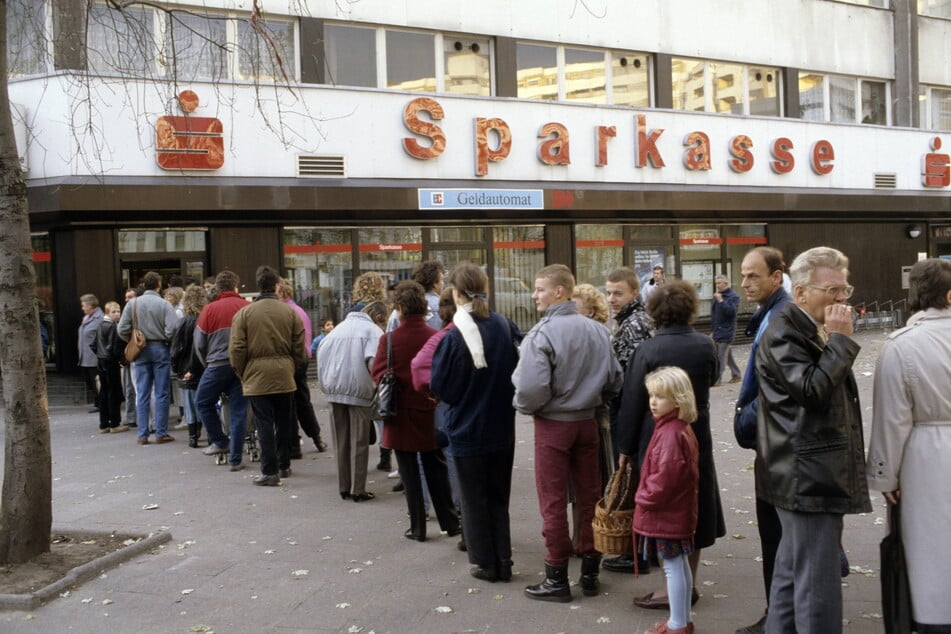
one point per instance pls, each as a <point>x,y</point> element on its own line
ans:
<point>809,435</point>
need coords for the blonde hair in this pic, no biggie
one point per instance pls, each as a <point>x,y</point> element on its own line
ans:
<point>593,300</point>
<point>110,305</point>
<point>285,290</point>
<point>369,287</point>
<point>558,275</point>
<point>673,383</point>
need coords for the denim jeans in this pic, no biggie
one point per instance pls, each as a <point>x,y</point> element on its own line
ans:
<point>152,372</point>
<point>191,410</point>
<point>215,381</point>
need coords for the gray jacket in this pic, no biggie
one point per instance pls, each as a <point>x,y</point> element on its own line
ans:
<point>155,317</point>
<point>566,366</point>
<point>343,359</point>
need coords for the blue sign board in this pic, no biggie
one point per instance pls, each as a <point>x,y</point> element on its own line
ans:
<point>481,199</point>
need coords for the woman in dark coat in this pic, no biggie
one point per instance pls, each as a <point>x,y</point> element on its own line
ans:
<point>673,307</point>
<point>184,360</point>
<point>411,432</point>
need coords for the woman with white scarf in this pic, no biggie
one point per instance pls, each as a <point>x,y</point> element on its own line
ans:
<point>472,376</point>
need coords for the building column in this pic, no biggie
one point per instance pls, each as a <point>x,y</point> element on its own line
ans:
<point>905,89</point>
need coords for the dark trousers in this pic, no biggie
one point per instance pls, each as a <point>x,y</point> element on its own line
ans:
<point>272,419</point>
<point>485,485</point>
<point>110,394</point>
<point>303,408</point>
<point>437,480</point>
<point>89,379</point>
<point>770,532</point>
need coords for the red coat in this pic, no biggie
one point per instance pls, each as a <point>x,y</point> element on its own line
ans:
<point>412,429</point>
<point>665,505</point>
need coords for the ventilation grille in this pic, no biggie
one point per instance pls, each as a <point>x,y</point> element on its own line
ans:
<point>886,181</point>
<point>324,166</point>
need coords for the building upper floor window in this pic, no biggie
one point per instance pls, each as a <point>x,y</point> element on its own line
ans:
<point>935,8</point>
<point>707,86</point>
<point>145,41</point>
<point>27,44</point>
<point>935,107</point>
<point>566,73</point>
<point>842,99</point>
<point>407,60</point>
<point>879,4</point>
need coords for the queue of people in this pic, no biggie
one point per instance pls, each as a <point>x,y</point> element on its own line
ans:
<point>458,388</point>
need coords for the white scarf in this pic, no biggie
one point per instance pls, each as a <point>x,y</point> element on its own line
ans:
<point>470,334</point>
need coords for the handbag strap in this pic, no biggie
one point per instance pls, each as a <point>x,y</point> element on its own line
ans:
<point>135,313</point>
<point>389,352</point>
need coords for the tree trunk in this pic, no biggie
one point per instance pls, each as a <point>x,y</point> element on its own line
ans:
<point>26,510</point>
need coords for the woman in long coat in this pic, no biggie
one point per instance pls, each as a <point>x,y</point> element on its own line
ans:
<point>673,307</point>
<point>909,454</point>
<point>412,432</point>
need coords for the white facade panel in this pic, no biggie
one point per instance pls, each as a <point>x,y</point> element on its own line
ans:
<point>366,127</point>
<point>934,51</point>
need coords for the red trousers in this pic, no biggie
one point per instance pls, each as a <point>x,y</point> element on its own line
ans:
<point>563,451</point>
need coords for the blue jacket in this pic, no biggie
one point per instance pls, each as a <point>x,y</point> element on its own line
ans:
<point>477,404</point>
<point>723,316</point>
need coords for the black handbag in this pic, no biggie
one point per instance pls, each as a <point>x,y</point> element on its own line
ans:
<point>387,389</point>
<point>896,593</point>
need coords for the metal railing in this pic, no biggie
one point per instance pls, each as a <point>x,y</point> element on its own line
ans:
<point>885,314</point>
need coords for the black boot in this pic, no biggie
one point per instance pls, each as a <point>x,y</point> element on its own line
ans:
<point>384,464</point>
<point>555,586</point>
<point>194,433</point>
<point>505,570</point>
<point>590,566</point>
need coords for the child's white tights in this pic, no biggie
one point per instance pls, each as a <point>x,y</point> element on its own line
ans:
<point>679,584</point>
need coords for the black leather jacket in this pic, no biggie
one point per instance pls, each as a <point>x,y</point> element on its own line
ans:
<point>809,427</point>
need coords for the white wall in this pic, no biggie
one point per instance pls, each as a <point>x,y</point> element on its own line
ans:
<point>934,50</point>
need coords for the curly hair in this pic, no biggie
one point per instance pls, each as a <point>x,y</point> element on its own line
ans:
<point>427,273</point>
<point>174,294</point>
<point>593,300</point>
<point>369,287</point>
<point>673,304</point>
<point>410,299</point>
<point>194,300</point>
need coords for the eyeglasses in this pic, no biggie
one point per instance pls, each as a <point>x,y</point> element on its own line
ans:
<point>834,291</point>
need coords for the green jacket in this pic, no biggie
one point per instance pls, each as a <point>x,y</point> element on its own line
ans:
<point>266,346</point>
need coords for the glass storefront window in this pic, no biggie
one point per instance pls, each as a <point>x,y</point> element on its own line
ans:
<point>940,109</point>
<point>700,260</point>
<point>599,249</point>
<point>45,306</point>
<point>935,8</point>
<point>350,56</point>
<point>457,234</point>
<point>134,241</point>
<point>764,91</point>
<point>410,61</point>
<point>26,37</point>
<point>726,86</point>
<point>811,97</point>
<point>537,74</point>
<point>689,84</point>
<point>390,251</point>
<point>873,102</point>
<point>518,253</point>
<point>739,240</point>
<point>319,263</point>
<point>630,81</point>
<point>584,76</point>
<point>842,99</point>
<point>467,66</point>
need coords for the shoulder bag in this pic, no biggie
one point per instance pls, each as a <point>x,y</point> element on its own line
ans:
<point>387,389</point>
<point>137,340</point>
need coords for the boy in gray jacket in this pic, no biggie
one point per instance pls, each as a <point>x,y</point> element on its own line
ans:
<point>566,369</point>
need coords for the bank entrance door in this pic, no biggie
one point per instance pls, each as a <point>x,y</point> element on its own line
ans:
<point>166,251</point>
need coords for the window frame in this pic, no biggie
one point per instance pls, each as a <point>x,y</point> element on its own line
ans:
<point>857,94</point>
<point>708,78</point>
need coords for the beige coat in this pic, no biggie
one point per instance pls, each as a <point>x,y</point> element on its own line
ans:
<point>266,346</point>
<point>910,450</point>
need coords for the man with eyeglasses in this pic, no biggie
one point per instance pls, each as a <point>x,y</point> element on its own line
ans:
<point>809,437</point>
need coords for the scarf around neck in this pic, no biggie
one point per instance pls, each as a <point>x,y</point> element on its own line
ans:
<point>470,334</point>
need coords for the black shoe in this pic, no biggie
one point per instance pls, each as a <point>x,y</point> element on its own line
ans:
<point>623,563</point>
<point>454,531</point>
<point>590,566</point>
<point>554,588</point>
<point>296,455</point>
<point>93,410</point>
<point>408,534</point>
<point>267,480</point>
<point>398,487</point>
<point>286,473</point>
<point>756,628</point>
<point>362,497</point>
<point>344,495</point>
<point>321,445</point>
<point>462,545</point>
<point>505,570</point>
<point>485,573</point>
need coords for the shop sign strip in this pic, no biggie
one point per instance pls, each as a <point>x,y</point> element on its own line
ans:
<point>318,248</point>
<point>747,240</point>
<point>481,199</point>
<point>378,248</point>
<point>599,244</point>
<point>519,244</point>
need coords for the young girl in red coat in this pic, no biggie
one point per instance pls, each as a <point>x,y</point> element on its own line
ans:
<point>665,511</point>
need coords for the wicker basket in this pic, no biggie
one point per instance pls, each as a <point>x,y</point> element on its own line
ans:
<point>613,515</point>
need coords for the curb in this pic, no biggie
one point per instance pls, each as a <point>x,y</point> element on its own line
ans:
<point>85,572</point>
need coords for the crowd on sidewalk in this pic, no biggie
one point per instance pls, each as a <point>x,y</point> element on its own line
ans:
<point>437,376</point>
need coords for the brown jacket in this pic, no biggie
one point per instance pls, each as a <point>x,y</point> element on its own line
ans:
<point>266,346</point>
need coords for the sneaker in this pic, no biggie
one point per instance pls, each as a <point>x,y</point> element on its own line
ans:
<point>142,441</point>
<point>118,430</point>
<point>736,379</point>
<point>104,430</point>
<point>267,480</point>
<point>181,425</point>
<point>392,475</point>
<point>236,467</point>
<point>213,449</point>
<point>164,439</point>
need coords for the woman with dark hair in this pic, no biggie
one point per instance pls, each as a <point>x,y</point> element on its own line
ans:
<point>411,432</point>
<point>673,307</point>
<point>909,453</point>
<point>184,359</point>
<point>472,376</point>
